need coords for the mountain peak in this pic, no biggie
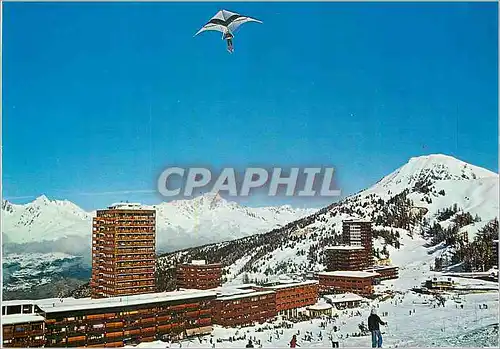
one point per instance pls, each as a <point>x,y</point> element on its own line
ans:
<point>42,199</point>
<point>453,165</point>
<point>423,171</point>
<point>210,199</point>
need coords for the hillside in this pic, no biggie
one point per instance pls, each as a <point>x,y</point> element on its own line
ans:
<point>406,202</point>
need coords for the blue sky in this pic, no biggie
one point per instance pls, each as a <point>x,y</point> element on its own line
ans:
<point>360,87</point>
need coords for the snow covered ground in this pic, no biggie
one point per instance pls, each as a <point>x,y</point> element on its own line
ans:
<point>428,326</point>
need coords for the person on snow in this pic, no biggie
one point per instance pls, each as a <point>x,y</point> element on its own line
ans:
<point>334,337</point>
<point>373,326</point>
<point>293,342</point>
<point>249,345</point>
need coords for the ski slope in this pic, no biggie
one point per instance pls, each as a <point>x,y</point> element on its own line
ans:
<point>428,326</point>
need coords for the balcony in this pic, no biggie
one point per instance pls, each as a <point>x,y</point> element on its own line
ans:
<point>135,251</point>
<point>135,258</point>
<point>136,286</point>
<point>135,278</point>
<point>133,271</point>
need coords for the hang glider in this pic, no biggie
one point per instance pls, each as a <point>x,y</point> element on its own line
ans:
<point>227,23</point>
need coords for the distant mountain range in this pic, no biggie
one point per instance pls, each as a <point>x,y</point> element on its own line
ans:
<point>43,238</point>
<point>49,240</point>
<point>426,191</point>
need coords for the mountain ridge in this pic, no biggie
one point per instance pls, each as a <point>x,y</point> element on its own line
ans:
<point>405,202</point>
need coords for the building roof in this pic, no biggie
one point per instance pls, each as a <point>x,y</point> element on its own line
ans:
<point>245,295</point>
<point>344,247</point>
<point>72,304</point>
<point>382,267</point>
<point>292,284</point>
<point>231,290</point>
<point>320,306</point>
<point>21,318</point>
<point>346,273</point>
<point>244,286</point>
<point>201,263</point>
<point>343,297</point>
<point>198,262</point>
<point>125,206</point>
<point>356,220</point>
<point>14,302</point>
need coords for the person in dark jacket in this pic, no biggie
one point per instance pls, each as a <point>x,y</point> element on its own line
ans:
<point>373,326</point>
<point>249,345</point>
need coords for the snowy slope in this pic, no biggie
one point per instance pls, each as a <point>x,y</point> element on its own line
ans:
<point>398,202</point>
<point>448,326</point>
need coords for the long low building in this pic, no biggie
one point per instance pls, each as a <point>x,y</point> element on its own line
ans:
<point>293,295</point>
<point>244,308</point>
<point>23,330</point>
<point>358,282</point>
<point>386,272</point>
<point>110,322</point>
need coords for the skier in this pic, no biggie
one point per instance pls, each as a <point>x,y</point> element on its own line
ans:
<point>334,337</point>
<point>373,326</point>
<point>293,342</point>
<point>249,345</point>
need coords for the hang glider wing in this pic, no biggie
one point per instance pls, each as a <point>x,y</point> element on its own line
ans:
<point>234,25</point>
<point>226,21</point>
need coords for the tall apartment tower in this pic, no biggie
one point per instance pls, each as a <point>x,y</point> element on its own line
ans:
<point>123,251</point>
<point>359,233</point>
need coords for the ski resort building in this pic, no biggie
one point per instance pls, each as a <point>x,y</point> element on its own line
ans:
<point>22,327</point>
<point>358,282</point>
<point>199,275</point>
<point>359,233</point>
<point>110,322</point>
<point>292,296</point>
<point>123,251</point>
<point>385,272</point>
<point>319,309</point>
<point>345,258</point>
<point>344,300</point>
<point>244,307</point>
<point>439,284</point>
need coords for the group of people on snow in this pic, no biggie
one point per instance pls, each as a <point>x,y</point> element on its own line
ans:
<point>374,322</point>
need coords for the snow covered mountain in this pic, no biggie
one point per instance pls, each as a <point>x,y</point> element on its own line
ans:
<point>210,218</point>
<point>405,202</point>
<point>260,243</point>
<point>51,233</point>
<point>180,224</point>
<point>43,220</point>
